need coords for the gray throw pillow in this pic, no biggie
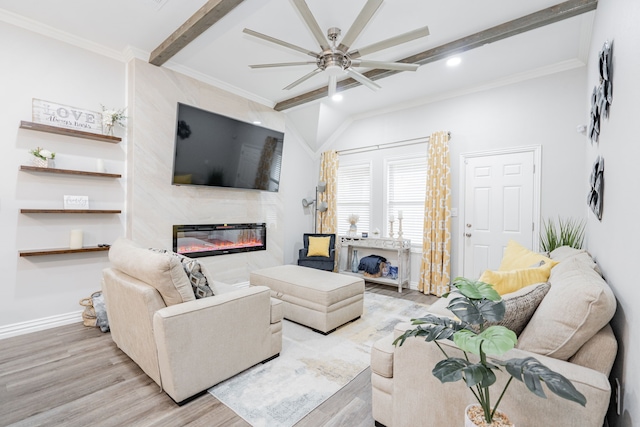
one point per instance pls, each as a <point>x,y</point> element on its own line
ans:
<point>520,306</point>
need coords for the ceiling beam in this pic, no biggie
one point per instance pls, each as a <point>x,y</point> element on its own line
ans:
<point>517,26</point>
<point>205,17</point>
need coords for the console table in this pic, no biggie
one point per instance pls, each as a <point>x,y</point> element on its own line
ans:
<point>396,251</point>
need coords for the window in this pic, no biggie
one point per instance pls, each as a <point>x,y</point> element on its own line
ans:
<point>405,191</point>
<point>354,196</point>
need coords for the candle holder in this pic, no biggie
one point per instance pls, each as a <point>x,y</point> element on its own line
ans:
<point>391,228</point>
<point>399,229</point>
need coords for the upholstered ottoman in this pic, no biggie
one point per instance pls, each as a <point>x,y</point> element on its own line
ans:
<point>319,299</point>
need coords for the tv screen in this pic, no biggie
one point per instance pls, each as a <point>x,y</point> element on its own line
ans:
<point>215,150</point>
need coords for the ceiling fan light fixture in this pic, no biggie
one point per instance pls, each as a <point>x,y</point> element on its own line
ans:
<point>334,70</point>
<point>454,62</point>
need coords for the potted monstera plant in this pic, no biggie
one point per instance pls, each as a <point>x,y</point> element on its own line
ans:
<point>478,307</point>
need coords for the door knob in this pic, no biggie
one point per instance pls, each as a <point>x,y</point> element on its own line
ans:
<point>467,234</point>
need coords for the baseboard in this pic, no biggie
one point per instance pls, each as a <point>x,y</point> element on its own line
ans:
<point>29,326</point>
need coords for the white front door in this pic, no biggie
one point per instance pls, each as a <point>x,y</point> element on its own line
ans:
<point>500,203</point>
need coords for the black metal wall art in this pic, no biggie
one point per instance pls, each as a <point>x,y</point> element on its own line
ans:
<point>602,95</point>
<point>594,200</point>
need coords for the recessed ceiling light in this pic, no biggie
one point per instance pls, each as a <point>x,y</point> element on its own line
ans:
<point>257,122</point>
<point>452,62</point>
<point>337,97</point>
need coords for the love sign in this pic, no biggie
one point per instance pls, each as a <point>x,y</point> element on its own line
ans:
<point>52,114</point>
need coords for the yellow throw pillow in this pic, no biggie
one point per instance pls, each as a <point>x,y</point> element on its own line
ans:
<point>319,246</point>
<point>517,256</point>
<point>505,282</point>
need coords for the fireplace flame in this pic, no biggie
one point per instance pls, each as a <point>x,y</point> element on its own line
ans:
<point>218,245</point>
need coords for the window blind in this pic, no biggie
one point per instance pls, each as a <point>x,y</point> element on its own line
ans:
<point>354,196</point>
<point>405,191</point>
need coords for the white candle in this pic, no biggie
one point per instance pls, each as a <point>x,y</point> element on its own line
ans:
<point>75,241</point>
<point>391,218</point>
<point>100,165</point>
<point>399,214</point>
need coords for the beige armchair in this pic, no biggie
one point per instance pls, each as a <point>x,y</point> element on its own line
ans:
<point>185,345</point>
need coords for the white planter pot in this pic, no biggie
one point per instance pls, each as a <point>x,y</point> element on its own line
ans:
<point>469,423</point>
<point>41,163</point>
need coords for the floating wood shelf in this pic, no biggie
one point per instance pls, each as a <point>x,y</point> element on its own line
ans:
<point>69,171</point>
<point>69,132</point>
<point>71,211</point>
<point>38,252</point>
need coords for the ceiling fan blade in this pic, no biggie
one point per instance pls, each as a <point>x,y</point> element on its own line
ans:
<point>311,22</point>
<point>358,25</point>
<point>303,78</point>
<point>391,42</point>
<point>401,66</point>
<point>282,64</point>
<point>280,42</point>
<point>362,79</point>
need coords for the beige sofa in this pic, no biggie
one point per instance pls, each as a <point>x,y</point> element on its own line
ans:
<point>184,344</point>
<point>569,332</point>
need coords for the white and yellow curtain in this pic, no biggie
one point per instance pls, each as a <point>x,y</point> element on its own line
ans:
<point>328,220</point>
<point>436,251</point>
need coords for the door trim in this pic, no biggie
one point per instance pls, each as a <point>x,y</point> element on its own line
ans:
<point>537,175</point>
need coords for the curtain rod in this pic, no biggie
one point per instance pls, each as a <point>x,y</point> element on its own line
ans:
<point>403,143</point>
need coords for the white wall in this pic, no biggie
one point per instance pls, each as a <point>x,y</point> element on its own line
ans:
<point>543,111</point>
<point>611,241</point>
<point>40,292</point>
<point>39,67</point>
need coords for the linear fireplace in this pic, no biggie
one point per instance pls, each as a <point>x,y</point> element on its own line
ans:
<point>197,241</point>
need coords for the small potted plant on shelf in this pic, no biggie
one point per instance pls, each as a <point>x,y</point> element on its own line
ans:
<point>477,304</point>
<point>42,158</point>
<point>111,118</point>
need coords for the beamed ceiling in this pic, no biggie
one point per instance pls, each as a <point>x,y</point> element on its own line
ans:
<point>497,40</point>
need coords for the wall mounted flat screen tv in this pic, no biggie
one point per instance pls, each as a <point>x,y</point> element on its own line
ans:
<point>215,150</point>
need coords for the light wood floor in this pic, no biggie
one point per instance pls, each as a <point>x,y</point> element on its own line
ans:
<point>76,376</point>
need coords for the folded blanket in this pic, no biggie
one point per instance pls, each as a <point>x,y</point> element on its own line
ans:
<point>371,263</point>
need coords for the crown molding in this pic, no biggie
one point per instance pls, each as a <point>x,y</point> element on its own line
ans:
<point>558,67</point>
<point>217,83</point>
<point>48,31</point>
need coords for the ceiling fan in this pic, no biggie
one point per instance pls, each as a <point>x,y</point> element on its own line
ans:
<point>339,60</point>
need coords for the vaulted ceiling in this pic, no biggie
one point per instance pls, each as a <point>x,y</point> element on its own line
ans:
<point>498,41</point>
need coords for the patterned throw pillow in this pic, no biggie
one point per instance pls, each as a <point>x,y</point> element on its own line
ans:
<point>192,268</point>
<point>521,305</point>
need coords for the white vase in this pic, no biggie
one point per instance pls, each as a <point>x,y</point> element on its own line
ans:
<point>353,230</point>
<point>469,423</point>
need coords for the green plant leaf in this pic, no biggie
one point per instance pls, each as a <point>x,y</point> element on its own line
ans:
<point>476,312</point>
<point>569,232</point>
<point>531,372</point>
<point>475,290</point>
<point>493,340</point>
<point>454,369</point>
<point>432,328</point>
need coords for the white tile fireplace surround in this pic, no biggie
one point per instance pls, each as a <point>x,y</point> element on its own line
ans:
<point>201,240</point>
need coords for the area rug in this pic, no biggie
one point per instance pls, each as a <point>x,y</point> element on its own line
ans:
<point>311,366</point>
